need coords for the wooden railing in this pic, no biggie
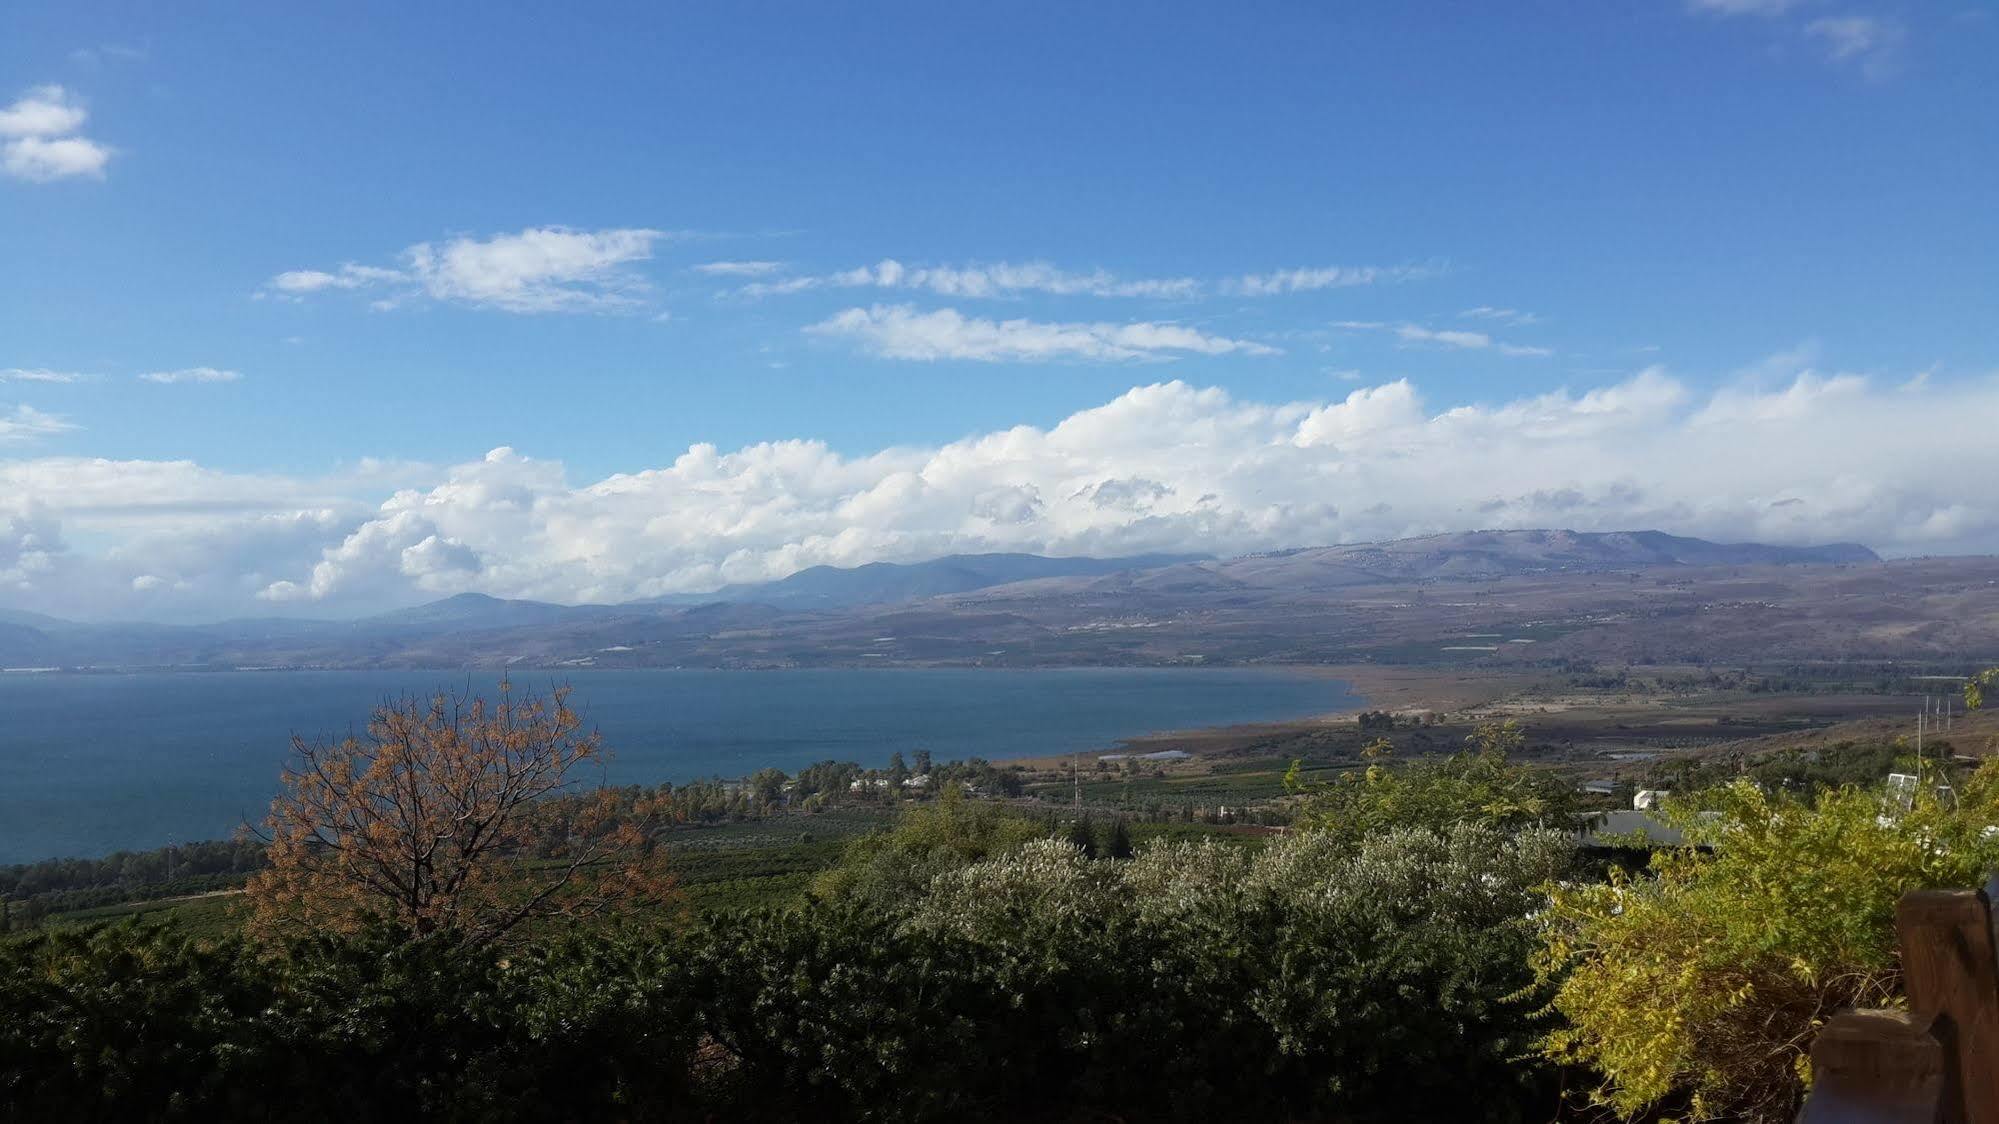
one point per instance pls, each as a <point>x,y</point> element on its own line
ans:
<point>1938,1061</point>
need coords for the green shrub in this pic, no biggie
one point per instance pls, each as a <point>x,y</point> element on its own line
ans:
<point>897,864</point>
<point>1480,784</point>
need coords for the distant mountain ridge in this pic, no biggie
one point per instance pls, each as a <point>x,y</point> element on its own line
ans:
<point>1483,553</point>
<point>1466,555</point>
<point>956,608</point>
<point>881,583</point>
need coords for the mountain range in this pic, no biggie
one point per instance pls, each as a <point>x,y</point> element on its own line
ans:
<point>1517,594</point>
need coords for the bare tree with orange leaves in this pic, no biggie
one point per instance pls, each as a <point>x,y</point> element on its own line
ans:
<point>453,814</point>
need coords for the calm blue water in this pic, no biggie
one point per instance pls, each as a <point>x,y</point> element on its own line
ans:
<point>96,763</point>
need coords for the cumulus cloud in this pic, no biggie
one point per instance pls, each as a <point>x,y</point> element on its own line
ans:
<point>44,111</point>
<point>192,374</point>
<point>401,547</point>
<point>901,332</point>
<point>30,544</point>
<point>39,141</point>
<point>1017,503</point>
<point>1784,453</point>
<point>1000,279</point>
<point>25,423</point>
<point>209,541</point>
<point>540,269</point>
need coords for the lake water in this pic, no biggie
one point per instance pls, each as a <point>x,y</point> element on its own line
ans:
<point>91,764</point>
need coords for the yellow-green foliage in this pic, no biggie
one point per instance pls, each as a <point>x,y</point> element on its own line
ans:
<point>1699,987</point>
<point>1977,685</point>
<point>1478,785</point>
<point>928,840</point>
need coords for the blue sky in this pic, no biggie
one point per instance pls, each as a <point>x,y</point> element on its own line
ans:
<point>362,247</point>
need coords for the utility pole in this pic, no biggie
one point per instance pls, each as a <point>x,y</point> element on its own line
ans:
<point>1076,779</point>
<point>1921,715</point>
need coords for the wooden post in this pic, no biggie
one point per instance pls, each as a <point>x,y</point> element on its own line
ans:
<point>1875,1067</point>
<point>1950,965</point>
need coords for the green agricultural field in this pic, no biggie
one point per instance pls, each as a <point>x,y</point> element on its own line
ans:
<point>208,915</point>
<point>1231,782</point>
<point>764,862</point>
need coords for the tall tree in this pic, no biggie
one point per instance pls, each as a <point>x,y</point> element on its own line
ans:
<point>768,786</point>
<point>454,814</point>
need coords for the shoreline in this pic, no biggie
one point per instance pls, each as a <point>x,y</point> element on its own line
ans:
<point>1399,690</point>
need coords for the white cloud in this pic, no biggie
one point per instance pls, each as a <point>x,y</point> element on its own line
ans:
<point>739,268</point>
<point>45,111</point>
<point>212,539</point>
<point>1000,279</point>
<point>94,57</point>
<point>1455,338</point>
<point>1787,453</point>
<point>1324,277</point>
<point>540,269</point>
<point>38,141</point>
<point>25,423</point>
<point>1744,7</point>
<point>37,374</point>
<point>192,374</point>
<point>1511,316</point>
<point>901,332</point>
<point>1873,45</point>
<point>42,160</point>
<point>348,276</point>
<point>1412,333</point>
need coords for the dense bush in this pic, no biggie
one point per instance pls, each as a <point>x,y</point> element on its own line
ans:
<point>1197,981</point>
<point>1382,981</point>
<point>129,1023</point>
<point>134,1023</point>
